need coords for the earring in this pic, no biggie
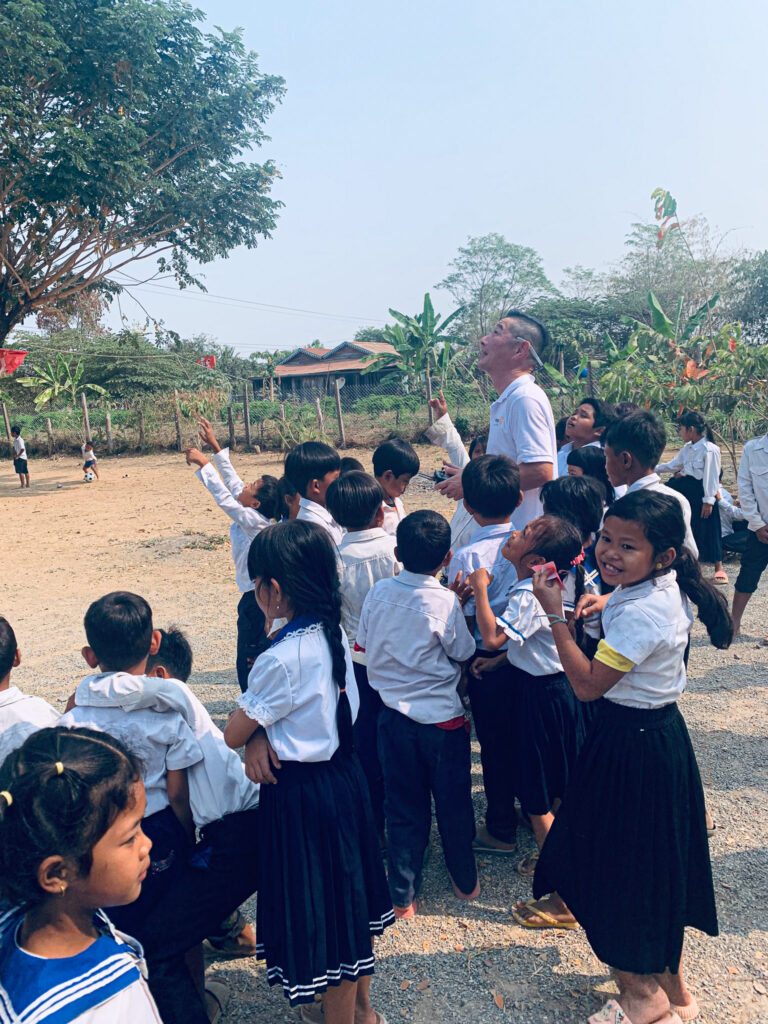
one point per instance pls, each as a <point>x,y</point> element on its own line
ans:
<point>659,565</point>
<point>62,890</point>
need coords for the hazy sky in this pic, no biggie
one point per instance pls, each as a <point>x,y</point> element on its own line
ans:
<point>409,126</point>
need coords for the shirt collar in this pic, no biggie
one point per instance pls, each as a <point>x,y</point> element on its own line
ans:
<point>644,481</point>
<point>663,582</point>
<point>519,382</point>
<point>318,510</point>
<point>491,531</point>
<point>701,443</point>
<point>10,696</point>
<point>297,625</point>
<point>418,579</point>
<point>361,536</point>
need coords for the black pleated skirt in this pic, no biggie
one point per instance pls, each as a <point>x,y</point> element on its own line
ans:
<point>706,532</point>
<point>628,850</point>
<point>550,724</point>
<point>322,888</point>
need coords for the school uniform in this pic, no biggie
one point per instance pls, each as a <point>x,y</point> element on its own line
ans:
<point>565,451</point>
<point>246,523</point>
<point>221,872</point>
<point>628,849</point>
<point>19,456</point>
<point>443,433</point>
<point>393,514</point>
<point>734,525</point>
<point>365,556</point>
<point>753,495</point>
<point>103,984</point>
<point>322,891</point>
<point>652,482</point>
<point>699,462</point>
<point>523,428</point>
<point>315,513</point>
<point>414,636</point>
<point>492,697</point>
<point>592,584</point>
<point>549,724</point>
<point>20,716</point>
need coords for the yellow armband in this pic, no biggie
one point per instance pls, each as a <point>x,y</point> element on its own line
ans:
<point>607,656</point>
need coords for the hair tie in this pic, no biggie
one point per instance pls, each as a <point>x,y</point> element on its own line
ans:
<point>342,689</point>
<point>59,768</point>
<point>579,558</point>
<point>7,795</point>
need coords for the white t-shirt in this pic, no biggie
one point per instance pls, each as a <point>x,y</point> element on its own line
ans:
<point>292,693</point>
<point>414,635</point>
<point>484,552</point>
<point>523,428</point>
<point>314,513</point>
<point>531,645</point>
<point>365,557</point>
<point>88,456</point>
<point>753,482</point>
<point>19,448</point>
<point>20,716</point>
<point>161,740</point>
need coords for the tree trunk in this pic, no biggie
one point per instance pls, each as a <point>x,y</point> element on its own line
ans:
<point>246,415</point>
<point>86,420</point>
<point>110,439</point>
<point>430,410</point>
<point>7,425</point>
<point>319,411</point>
<point>140,413</point>
<point>49,432</point>
<point>231,425</point>
<point>339,417</point>
<point>271,389</point>
<point>177,421</point>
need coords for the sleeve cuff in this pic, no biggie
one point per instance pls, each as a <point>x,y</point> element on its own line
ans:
<point>607,656</point>
<point>255,709</point>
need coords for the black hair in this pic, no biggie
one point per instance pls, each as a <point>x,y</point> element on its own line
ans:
<point>491,485</point>
<point>285,489</point>
<point>353,500</point>
<point>85,445</point>
<point>268,497</point>
<point>603,413</point>
<point>303,559</point>
<point>119,630</point>
<point>558,540</point>
<point>54,813</point>
<point>481,440</point>
<point>311,460</point>
<point>8,647</point>
<point>640,433</point>
<point>16,430</point>
<point>560,429</point>
<point>591,461</point>
<point>531,329</point>
<point>423,541</point>
<point>661,520</point>
<point>622,409</point>
<point>396,455</point>
<point>350,465</point>
<point>691,418</point>
<point>174,654</point>
<point>579,499</point>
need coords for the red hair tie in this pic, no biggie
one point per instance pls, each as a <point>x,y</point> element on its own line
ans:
<point>579,558</point>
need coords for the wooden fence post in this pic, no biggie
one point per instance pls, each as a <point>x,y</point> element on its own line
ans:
<point>142,431</point>
<point>246,415</point>
<point>7,425</point>
<point>319,411</point>
<point>429,395</point>
<point>177,421</point>
<point>108,425</point>
<point>339,417</point>
<point>282,411</point>
<point>231,425</point>
<point>49,432</point>
<point>86,420</point>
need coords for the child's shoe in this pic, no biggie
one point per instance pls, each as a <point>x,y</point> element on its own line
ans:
<point>464,895</point>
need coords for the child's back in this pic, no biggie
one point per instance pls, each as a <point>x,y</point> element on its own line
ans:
<point>20,714</point>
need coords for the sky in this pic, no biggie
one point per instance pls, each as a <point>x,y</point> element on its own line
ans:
<point>407,127</point>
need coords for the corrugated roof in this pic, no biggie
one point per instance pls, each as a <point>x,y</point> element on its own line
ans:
<point>321,367</point>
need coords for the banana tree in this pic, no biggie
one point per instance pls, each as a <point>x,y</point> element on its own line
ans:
<point>57,379</point>
<point>420,342</point>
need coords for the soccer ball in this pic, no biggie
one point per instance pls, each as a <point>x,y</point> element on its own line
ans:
<point>89,476</point>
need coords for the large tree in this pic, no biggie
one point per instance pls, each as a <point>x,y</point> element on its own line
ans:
<point>124,134</point>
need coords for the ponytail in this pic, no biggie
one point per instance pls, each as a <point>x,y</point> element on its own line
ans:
<point>577,593</point>
<point>331,618</point>
<point>711,604</point>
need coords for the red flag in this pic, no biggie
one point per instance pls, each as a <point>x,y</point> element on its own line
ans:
<point>209,362</point>
<point>10,360</point>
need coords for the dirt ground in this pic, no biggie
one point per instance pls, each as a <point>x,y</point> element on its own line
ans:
<point>149,526</point>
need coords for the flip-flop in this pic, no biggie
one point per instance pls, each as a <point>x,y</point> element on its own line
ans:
<point>686,1013</point>
<point>612,1013</point>
<point>545,920</point>
<point>482,844</point>
<point>527,866</point>
<point>721,579</point>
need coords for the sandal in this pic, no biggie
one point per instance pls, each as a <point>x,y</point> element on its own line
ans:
<point>527,865</point>
<point>484,842</point>
<point>612,1013</point>
<point>720,578</point>
<point>545,920</point>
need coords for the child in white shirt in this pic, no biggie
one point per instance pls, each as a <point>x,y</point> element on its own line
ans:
<point>20,464</point>
<point>89,458</point>
<point>20,714</point>
<point>753,495</point>
<point>415,639</point>
<point>394,463</point>
<point>312,467</point>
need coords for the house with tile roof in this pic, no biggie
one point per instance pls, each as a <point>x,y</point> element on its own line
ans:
<point>307,372</point>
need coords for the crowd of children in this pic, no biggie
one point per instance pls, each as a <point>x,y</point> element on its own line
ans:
<point>131,831</point>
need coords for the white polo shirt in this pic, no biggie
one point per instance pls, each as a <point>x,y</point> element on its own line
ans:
<point>314,513</point>
<point>393,514</point>
<point>218,784</point>
<point>753,482</point>
<point>484,552</point>
<point>365,557</point>
<point>414,635</point>
<point>19,448</point>
<point>647,624</point>
<point>701,460</point>
<point>292,693</point>
<point>531,645</point>
<point>652,482</point>
<point>523,428</point>
<point>20,716</point>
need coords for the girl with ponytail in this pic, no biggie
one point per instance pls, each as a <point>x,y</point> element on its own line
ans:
<point>322,888</point>
<point>627,854</point>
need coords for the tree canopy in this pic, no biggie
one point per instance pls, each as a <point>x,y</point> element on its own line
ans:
<point>124,134</point>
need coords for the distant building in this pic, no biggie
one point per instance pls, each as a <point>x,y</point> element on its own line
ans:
<point>307,372</point>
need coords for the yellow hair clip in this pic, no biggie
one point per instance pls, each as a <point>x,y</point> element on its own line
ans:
<point>7,795</point>
<point>59,768</point>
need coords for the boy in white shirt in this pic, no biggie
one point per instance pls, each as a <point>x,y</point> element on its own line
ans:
<point>491,494</point>
<point>415,638</point>
<point>366,555</point>
<point>20,714</point>
<point>753,497</point>
<point>394,463</point>
<point>20,464</point>
<point>312,467</point>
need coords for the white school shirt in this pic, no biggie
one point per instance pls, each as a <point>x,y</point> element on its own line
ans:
<point>443,433</point>
<point>20,716</point>
<point>393,514</point>
<point>652,482</point>
<point>218,785</point>
<point>246,522</point>
<point>729,513</point>
<point>19,448</point>
<point>484,552</point>
<point>414,635</point>
<point>161,740</point>
<point>88,456</point>
<point>701,460</point>
<point>292,693</point>
<point>753,482</point>
<point>365,557</point>
<point>531,647</point>
<point>565,451</point>
<point>523,428</point>
<point>314,513</point>
<point>649,624</point>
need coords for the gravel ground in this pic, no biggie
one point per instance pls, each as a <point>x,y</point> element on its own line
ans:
<point>149,526</point>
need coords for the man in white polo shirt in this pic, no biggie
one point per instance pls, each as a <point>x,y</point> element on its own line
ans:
<point>522,425</point>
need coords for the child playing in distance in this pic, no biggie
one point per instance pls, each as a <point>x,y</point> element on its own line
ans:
<point>312,467</point>
<point>491,494</point>
<point>323,893</point>
<point>251,507</point>
<point>71,806</point>
<point>394,463</point>
<point>549,723</point>
<point>585,427</point>
<point>20,713</point>
<point>20,464</point>
<point>635,883</point>
<point>366,555</point>
<point>89,458</point>
<point>415,639</point>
